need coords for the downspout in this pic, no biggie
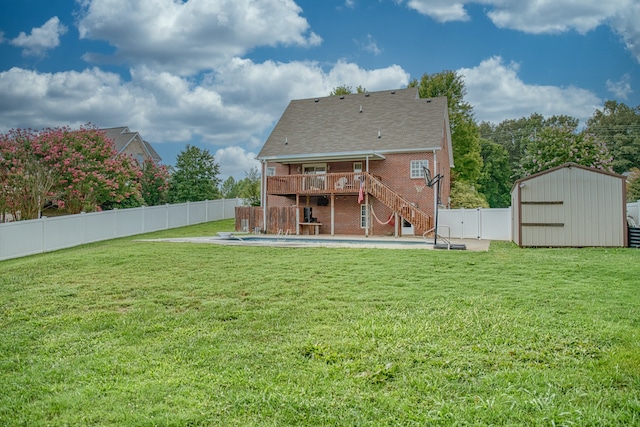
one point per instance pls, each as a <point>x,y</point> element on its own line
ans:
<point>263,202</point>
<point>435,194</point>
<point>366,202</point>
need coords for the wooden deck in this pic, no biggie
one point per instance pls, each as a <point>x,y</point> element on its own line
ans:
<point>350,183</point>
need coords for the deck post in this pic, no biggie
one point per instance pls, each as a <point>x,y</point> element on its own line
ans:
<point>333,214</point>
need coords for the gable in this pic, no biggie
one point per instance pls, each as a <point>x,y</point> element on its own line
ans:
<point>131,143</point>
<point>374,122</point>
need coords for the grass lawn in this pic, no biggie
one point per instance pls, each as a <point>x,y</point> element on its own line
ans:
<point>128,333</point>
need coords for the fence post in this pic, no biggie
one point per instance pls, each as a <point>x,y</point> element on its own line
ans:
<point>44,233</point>
<point>115,223</point>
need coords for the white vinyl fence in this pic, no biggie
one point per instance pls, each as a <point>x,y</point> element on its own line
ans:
<point>633,209</point>
<point>486,224</point>
<point>35,236</point>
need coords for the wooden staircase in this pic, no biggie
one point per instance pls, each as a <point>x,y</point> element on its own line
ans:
<point>421,221</point>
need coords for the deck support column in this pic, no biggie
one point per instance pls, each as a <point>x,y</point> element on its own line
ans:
<point>333,214</point>
<point>297,214</point>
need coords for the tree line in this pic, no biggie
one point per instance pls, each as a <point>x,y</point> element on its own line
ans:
<point>489,157</point>
<point>68,171</point>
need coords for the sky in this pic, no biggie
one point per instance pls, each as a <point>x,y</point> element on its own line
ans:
<point>217,74</point>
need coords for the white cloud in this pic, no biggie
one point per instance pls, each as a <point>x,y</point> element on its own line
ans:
<point>622,88</point>
<point>545,16</point>
<point>188,36</point>
<point>440,10</point>
<point>235,161</point>
<point>370,45</point>
<point>234,107</point>
<point>41,39</point>
<point>625,23</point>
<point>497,93</point>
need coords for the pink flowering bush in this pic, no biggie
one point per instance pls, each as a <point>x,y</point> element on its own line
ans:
<point>79,169</point>
<point>155,183</point>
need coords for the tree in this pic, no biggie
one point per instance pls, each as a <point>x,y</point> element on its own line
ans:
<point>633,185</point>
<point>27,178</point>
<point>93,176</point>
<point>250,187</point>
<point>346,90</point>
<point>495,178</point>
<point>195,177</point>
<point>464,131</point>
<point>557,145</point>
<point>464,195</point>
<point>619,127</point>
<point>77,169</point>
<point>155,183</point>
<point>229,188</point>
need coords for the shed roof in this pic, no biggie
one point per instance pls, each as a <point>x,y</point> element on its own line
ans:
<point>373,122</point>
<point>568,165</point>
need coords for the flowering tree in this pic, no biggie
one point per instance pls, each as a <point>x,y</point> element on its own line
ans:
<point>91,173</point>
<point>26,177</point>
<point>556,145</point>
<point>155,183</point>
<point>78,169</point>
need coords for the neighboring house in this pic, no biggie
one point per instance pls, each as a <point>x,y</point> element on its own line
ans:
<point>353,164</point>
<point>132,144</point>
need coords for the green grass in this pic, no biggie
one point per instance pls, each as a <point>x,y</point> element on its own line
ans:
<point>179,334</point>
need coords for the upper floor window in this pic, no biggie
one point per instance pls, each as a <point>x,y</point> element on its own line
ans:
<point>417,166</point>
<point>271,171</point>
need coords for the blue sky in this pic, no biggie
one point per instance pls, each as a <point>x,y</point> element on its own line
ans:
<point>219,73</point>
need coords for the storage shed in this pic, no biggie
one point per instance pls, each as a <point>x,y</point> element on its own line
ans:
<point>569,206</point>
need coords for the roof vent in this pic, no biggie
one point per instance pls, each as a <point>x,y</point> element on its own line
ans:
<point>367,94</point>
<point>341,96</point>
<point>361,108</point>
<point>286,141</point>
<point>379,134</point>
<point>393,92</point>
<point>428,101</point>
<point>316,100</point>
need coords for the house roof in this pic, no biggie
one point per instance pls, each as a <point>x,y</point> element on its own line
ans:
<point>356,125</point>
<point>122,137</point>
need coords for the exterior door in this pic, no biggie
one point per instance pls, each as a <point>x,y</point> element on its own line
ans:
<point>316,182</point>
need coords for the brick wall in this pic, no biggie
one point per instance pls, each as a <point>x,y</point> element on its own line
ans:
<point>394,171</point>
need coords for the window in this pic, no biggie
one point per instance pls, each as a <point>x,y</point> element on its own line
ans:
<point>416,168</point>
<point>271,171</point>
<point>357,169</point>
<point>364,212</point>
<point>314,182</point>
<point>314,169</point>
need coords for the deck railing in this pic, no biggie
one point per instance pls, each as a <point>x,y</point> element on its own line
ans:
<point>336,183</point>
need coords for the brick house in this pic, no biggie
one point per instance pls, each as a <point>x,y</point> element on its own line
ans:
<point>131,143</point>
<point>353,164</point>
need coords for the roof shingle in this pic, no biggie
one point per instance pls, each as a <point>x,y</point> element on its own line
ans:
<point>385,121</point>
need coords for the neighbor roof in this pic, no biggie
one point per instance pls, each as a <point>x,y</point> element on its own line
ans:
<point>122,137</point>
<point>374,122</point>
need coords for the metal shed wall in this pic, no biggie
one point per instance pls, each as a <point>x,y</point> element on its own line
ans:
<point>570,205</point>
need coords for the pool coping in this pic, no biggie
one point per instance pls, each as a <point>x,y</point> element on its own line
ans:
<point>297,241</point>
